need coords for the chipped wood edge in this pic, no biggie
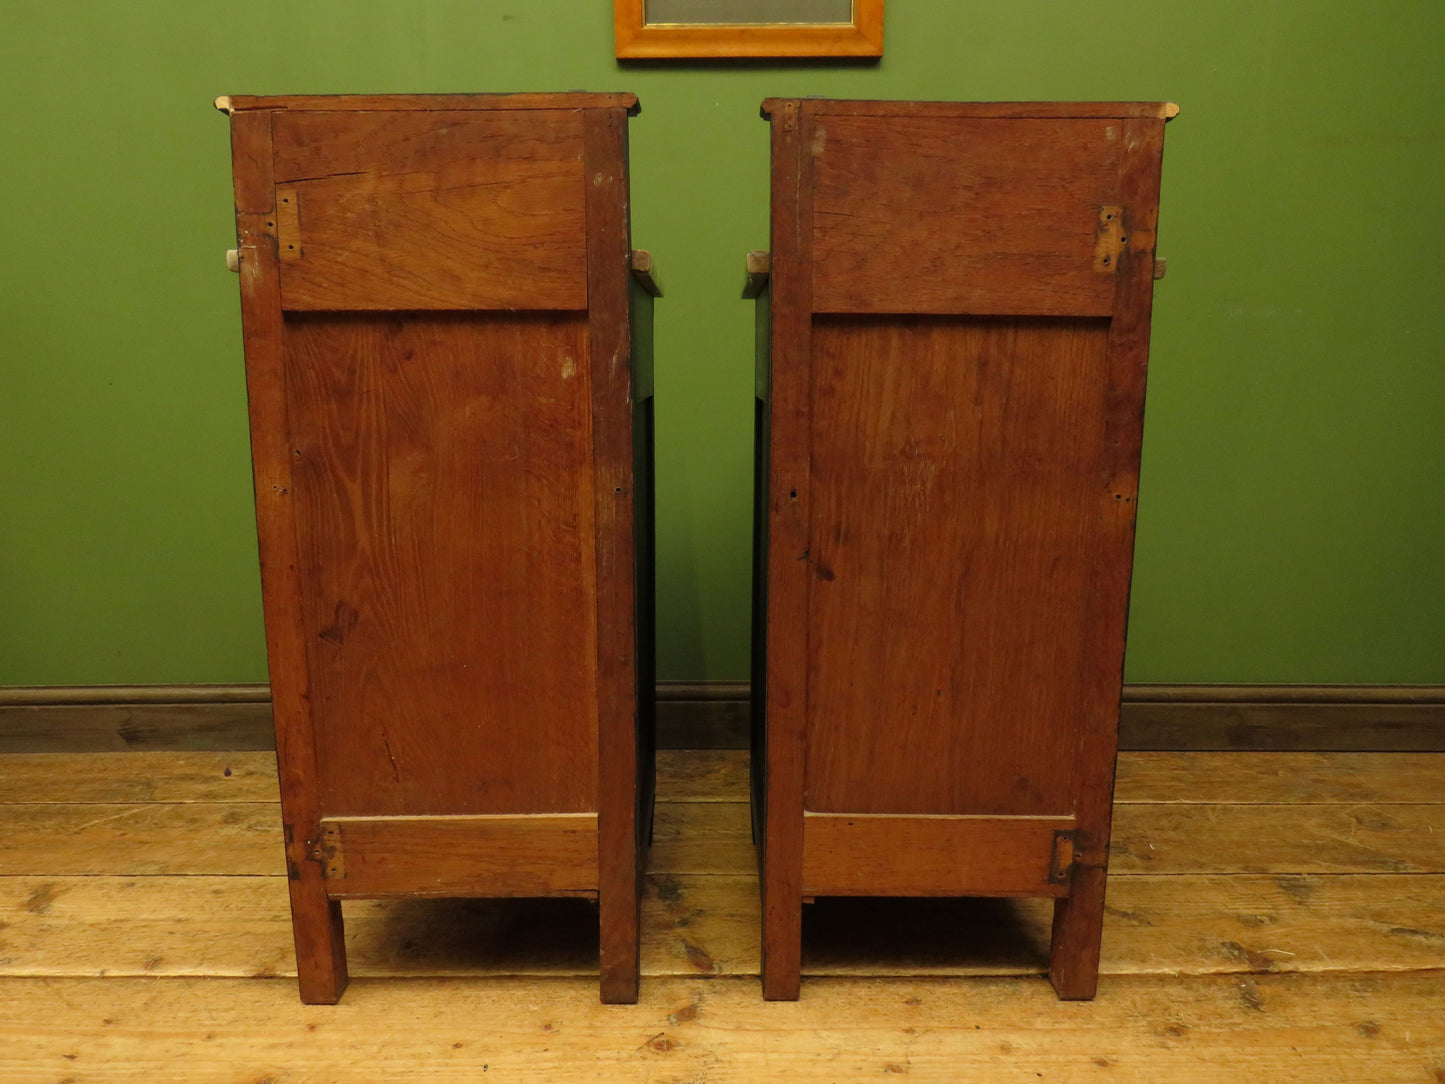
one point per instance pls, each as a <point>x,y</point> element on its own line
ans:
<point>759,268</point>
<point>223,103</point>
<point>643,272</point>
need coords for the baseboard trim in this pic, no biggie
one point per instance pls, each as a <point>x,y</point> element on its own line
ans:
<point>714,715</point>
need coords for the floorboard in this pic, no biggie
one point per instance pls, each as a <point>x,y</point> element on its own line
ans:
<point>1277,1028</point>
<point>1277,916</point>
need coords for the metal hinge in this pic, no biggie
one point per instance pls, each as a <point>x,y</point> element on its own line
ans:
<point>1109,239</point>
<point>328,853</point>
<point>288,224</point>
<point>1061,862</point>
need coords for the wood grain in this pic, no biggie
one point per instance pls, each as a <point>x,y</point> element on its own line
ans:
<point>951,560</point>
<point>709,924</point>
<point>538,855</point>
<point>1298,973</point>
<point>78,778</point>
<point>702,775</point>
<point>981,277</point>
<point>782,736</point>
<point>1078,917</point>
<point>316,921</point>
<point>710,837</point>
<point>443,496</point>
<point>240,838</point>
<point>430,469</point>
<point>1280,778</point>
<point>615,654</point>
<point>881,854</point>
<point>1006,228</point>
<point>434,210</point>
<point>721,775</point>
<point>1284,1028</point>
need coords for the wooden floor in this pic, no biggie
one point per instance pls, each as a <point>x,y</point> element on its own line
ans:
<point>1272,916</point>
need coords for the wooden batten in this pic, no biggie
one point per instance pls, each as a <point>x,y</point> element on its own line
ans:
<point>551,854</point>
<point>846,854</point>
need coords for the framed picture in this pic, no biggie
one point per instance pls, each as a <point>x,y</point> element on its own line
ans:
<point>726,28</point>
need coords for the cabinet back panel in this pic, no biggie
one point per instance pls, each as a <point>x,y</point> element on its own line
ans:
<point>431,210</point>
<point>444,516</point>
<point>932,215</point>
<point>960,502</point>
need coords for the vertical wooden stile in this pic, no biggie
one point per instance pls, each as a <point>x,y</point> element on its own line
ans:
<point>1079,916</point>
<point>788,541</point>
<point>315,919</point>
<point>608,253</point>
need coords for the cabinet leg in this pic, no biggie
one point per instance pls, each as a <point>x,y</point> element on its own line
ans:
<point>618,912</point>
<point>782,945</point>
<point>320,941</point>
<point>1078,932</point>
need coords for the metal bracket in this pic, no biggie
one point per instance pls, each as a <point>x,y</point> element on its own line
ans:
<point>328,853</point>
<point>1109,239</point>
<point>1061,862</point>
<point>288,224</point>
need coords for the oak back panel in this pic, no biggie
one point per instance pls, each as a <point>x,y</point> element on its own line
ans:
<point>431,210</point>
<point>961,215</point>
<point>963,353</point>
<point>444,518</point>
<point>949,424</point>
<point>957,492</point>
<point>452,442</point>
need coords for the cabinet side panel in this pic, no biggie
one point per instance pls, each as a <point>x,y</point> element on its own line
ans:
<point>960,483</point>
<point>444,506</point>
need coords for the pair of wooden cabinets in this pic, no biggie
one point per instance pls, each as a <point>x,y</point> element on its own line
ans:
<point>448,364</point>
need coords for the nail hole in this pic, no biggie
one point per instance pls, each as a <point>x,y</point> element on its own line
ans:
<point>793,495</point>
<point>1106,261</point>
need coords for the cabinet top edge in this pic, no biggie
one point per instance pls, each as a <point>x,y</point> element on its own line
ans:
<point>237,103</point>
<point>979,110</point>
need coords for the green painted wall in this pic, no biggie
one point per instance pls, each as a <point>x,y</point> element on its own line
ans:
<point>1293,500</point>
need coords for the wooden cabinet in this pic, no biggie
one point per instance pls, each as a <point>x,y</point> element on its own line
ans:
<point>954,336</point>
<point>452,442</point>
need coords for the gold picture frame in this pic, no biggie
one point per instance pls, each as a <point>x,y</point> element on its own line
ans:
<point>780,28</point>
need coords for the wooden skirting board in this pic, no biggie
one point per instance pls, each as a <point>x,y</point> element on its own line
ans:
<point>714,715</point>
